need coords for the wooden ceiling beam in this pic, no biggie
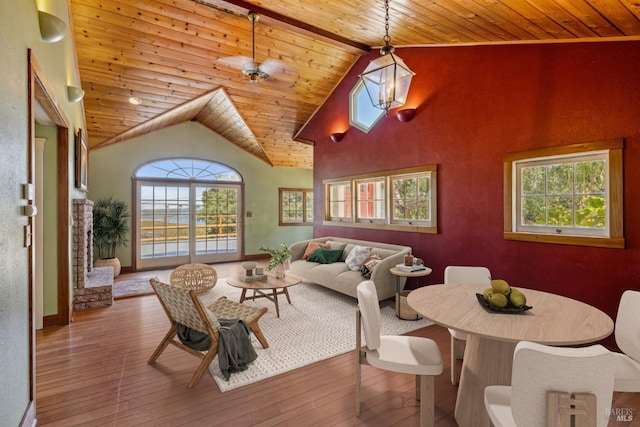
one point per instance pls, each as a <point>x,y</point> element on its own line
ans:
<point>295,25</point>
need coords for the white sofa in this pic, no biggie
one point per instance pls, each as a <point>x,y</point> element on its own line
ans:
<point>339,277</point>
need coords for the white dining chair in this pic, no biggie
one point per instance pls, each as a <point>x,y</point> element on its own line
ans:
<point>463,275</point>
<point>627,334</point>
<point>398,353</point>
<point>543,373</point>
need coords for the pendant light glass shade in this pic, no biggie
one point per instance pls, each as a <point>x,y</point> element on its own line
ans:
<point>387,81</point>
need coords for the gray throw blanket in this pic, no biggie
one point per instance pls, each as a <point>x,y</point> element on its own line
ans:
<point>235,351</point>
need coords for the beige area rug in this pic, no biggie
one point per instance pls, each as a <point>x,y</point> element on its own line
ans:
<point>132,287</point>
<point>318,324</point>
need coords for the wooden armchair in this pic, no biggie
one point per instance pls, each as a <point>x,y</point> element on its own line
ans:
<point>184,306</point>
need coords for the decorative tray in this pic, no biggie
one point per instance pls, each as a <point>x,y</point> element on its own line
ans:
<point>488,306</point>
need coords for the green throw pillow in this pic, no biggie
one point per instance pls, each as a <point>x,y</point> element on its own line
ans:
<point>325,256</point>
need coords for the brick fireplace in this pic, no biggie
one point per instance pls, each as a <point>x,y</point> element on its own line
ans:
<point>92,286</point>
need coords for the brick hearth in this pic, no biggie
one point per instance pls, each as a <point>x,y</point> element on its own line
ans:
<point>92,287</point>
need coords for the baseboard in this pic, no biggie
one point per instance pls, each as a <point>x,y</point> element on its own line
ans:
<point>29,417</point>
<point>50,321</point>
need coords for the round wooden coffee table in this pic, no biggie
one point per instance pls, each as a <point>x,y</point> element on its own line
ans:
<point>268,288</point>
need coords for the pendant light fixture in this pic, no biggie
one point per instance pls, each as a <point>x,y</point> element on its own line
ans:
<point>387,79</point>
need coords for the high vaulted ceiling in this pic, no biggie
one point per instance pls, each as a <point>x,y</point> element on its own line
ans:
<point>179,57</point>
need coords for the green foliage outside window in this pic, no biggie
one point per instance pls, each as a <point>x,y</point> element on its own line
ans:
<point>219,210</point>
<point>292,206</point>
<point>568,194</point>
<point>296,206</point>
<point>411,198</point>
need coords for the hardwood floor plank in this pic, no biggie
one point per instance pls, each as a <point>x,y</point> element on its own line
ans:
<point>94,372</point>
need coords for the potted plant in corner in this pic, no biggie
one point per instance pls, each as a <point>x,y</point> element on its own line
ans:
<point>110,228</point>
<point>278,258</point>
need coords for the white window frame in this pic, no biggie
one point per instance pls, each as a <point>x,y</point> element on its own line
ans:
<point>560,229</point>
<point>380,197</point>
<point>423,222</point>
<point>347,202</point>
<point>611,236</point>
<point>358,105</point>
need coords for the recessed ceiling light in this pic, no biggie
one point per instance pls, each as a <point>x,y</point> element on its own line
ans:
<point>135,100</point>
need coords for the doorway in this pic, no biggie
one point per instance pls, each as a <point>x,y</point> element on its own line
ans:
<point>194,219</point>
<point>44,109</point>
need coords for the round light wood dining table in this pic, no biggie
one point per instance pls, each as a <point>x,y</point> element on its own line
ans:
<point>492,336</point>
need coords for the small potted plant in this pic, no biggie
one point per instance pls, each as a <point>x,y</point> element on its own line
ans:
<point>278,258</point>
<point>110,228</point>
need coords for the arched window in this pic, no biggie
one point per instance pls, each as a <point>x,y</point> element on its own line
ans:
<point>188,169</point>
<point>188,210</point>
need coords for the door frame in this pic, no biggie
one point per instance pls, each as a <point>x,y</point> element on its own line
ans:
<point>191,185</point>
<point>40,90</point>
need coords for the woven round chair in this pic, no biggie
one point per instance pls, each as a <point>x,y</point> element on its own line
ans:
<point>199,277</point>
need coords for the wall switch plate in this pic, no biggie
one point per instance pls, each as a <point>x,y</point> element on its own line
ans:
<point>27,191</point>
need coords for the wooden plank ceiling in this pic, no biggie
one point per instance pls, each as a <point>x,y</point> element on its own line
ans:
<point>179,57</point>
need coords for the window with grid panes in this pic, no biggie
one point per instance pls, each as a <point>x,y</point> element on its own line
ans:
<point>567,194</point>
<point>296,206</point>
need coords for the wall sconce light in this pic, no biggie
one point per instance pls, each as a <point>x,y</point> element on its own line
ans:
<point>337,137</point>
<point>74,94</point>
<point>52,28</point>
<point>406,115</point>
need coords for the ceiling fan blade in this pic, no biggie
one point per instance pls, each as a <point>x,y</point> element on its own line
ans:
<point>274,67</point>
<point>236,62</point>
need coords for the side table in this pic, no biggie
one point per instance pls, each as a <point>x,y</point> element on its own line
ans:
<point>403,311</point>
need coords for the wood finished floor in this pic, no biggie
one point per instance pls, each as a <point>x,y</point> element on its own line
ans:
<point>94,373</point>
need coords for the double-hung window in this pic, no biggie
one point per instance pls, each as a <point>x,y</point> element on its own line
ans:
<point>570,194</point>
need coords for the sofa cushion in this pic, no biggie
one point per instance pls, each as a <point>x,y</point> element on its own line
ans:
<point>356,257</point>
<point>325,256</point>
<point>324,274</point>
<point>336,245</point>
<point>368,265</point>
<point>312,246</point>
<point>383,253</point>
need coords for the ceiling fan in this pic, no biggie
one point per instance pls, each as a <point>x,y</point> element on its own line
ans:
<point>252,69</point>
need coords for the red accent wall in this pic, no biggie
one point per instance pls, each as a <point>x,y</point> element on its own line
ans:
<point>474,104</point>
